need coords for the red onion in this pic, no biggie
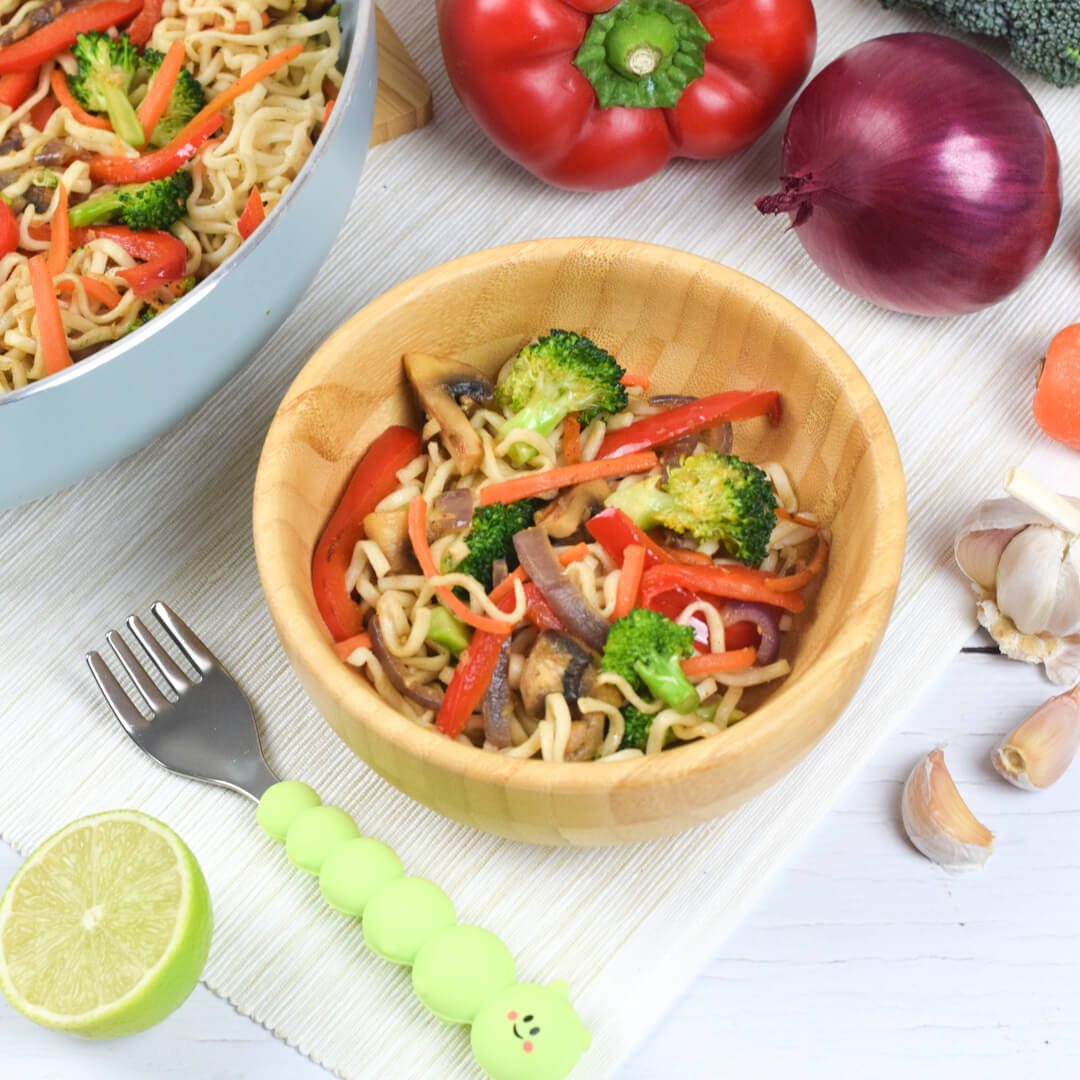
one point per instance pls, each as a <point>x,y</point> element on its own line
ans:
<point>920,175</point>
<point>764,618</point>
<point>427,697</point>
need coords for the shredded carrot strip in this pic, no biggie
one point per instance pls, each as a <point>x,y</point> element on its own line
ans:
<point>50,324</point>
<point>629,580</point>
<point>418,536</point>
<point>59,234</point>
<point>635,380</point>
<point>788,516</point>
<point>157,96</point>
<point>711,663</point>
<point>685,556</point>
<point>523,487</point>
<point>566,557</point>
<point>327,111</point>
<point>345,648</point>
<point>796,581</point>
<point>96,289</point>
<point>67,101</point>
<point>572,439</point>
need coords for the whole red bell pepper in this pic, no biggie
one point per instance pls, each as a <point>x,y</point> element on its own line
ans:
<point>373,479</point>
<point>590,95</point>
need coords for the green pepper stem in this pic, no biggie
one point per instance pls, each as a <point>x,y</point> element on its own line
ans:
<point>643,53</point>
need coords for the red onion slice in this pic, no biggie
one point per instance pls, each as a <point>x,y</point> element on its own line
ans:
<point>536,555</point>
<point>424,696</point>
<point>764,618</point>
<point>449,511</point>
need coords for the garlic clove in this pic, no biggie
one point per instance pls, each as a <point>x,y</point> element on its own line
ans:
<point>938,821</point>
<point>978,553</point>
<point>1063,667</point>
<point>1038,752</point>
<point>1027,577</point>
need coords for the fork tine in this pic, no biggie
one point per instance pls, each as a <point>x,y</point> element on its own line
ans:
<point>131,720</point>
<point>143,683</point>
<point>185,638</point>
<point>166,665</point>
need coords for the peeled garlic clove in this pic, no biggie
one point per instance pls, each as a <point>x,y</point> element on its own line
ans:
<point>938,821</point>
<point>1039,751</point>
<point>978,553</point>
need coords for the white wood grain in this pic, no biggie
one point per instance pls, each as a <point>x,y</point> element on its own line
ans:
<point>862,959</point>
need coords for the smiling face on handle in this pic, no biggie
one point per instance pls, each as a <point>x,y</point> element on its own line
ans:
<point>529,1032</point>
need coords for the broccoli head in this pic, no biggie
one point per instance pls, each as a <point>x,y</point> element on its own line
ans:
<point>103,81</point>
<point>636,731</point>
<point>1043,35</point>
<point>645,648</point>
<point>186,99</point>
<point>154,205</point>
<point>712,496</point>
<point>553,377</point>
<point>491,537</point>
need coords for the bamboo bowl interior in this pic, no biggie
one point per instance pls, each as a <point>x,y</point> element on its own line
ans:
<point>695,327</point>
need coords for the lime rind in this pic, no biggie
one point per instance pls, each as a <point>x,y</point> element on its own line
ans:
<point>164,984</point>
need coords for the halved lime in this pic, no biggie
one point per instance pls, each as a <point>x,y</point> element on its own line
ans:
<point>105,929</point>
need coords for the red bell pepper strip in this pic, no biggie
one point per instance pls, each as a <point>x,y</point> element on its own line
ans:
<point>471,678</point>
<point>165,255</point>
<point>16,87</point>
<point>142,26</point>
<point>50,323</point>
<point>538,610</point>
<point>253,215</point>
<point>734,582</point>
<point>590,98</point>
<point>159,163</point>
<point>9,230</point>
<point>372,480</point>
<point>34,49</point>
<point>698,415</point>
<point>42,110</point>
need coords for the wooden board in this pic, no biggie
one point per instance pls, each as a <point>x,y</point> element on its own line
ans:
<point>403,97</point>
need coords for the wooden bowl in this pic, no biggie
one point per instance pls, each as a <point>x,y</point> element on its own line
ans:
<point>695,327</point>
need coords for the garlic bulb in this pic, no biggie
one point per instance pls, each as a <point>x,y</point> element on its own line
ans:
<point>938,821</point>
<point>1039,751</point>
<point>1022,555</point>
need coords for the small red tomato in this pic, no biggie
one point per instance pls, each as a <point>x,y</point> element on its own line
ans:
<point>1057,395</point>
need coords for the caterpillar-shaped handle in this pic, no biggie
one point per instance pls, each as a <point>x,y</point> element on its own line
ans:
<point>463,974</point>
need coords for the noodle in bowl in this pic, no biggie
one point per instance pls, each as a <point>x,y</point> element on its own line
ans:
<point>109,402</point>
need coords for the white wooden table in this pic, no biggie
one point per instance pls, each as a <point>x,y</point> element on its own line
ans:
<point>862,960</point>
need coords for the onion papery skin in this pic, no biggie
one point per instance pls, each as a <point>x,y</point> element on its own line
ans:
<point>920,175</point>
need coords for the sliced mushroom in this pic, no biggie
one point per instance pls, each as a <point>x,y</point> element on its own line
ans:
<point>40,198</point>
<point>10,145</point>
<point>564,516</point>
<point>556,664</point>
<point>390,530</point>
<point>586,735</point>
<point>54,152</point>
<point>441,384</point>
<point>37,18</point>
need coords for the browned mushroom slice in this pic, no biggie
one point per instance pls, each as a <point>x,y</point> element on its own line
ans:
<point>564,516</point>
<point>556,664</point>
<point>441,384</point>
<point>390,531</point>
<point>586,735</point>
<point>39,17</point>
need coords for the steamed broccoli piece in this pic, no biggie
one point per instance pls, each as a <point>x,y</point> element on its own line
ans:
<point>154,205</point>
<point>186,99</point>
<point>177,288</point>
<point>645,648</point>
<point>636,731</point>
<point>103,81</point>
<point>491,537</point>
<point>712,496</point>
<point>553,377</point>
<point>1043,35</point>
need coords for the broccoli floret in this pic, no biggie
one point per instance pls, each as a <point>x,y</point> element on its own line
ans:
<point>103,81</point>
<point>711,496</point>
<point>1043,35</point>
<point>645,648</point>
<point>177,288</point>
<point>186,99</point>
<point>553,377</point>
<point>491,537</point>
<point>636,731</point>
<point>154,205</point>
<point>144,316</point>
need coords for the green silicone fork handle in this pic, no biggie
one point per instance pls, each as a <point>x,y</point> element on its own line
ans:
<point>463,974</point>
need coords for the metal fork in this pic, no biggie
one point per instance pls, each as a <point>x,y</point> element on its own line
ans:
<point>208,733</point>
